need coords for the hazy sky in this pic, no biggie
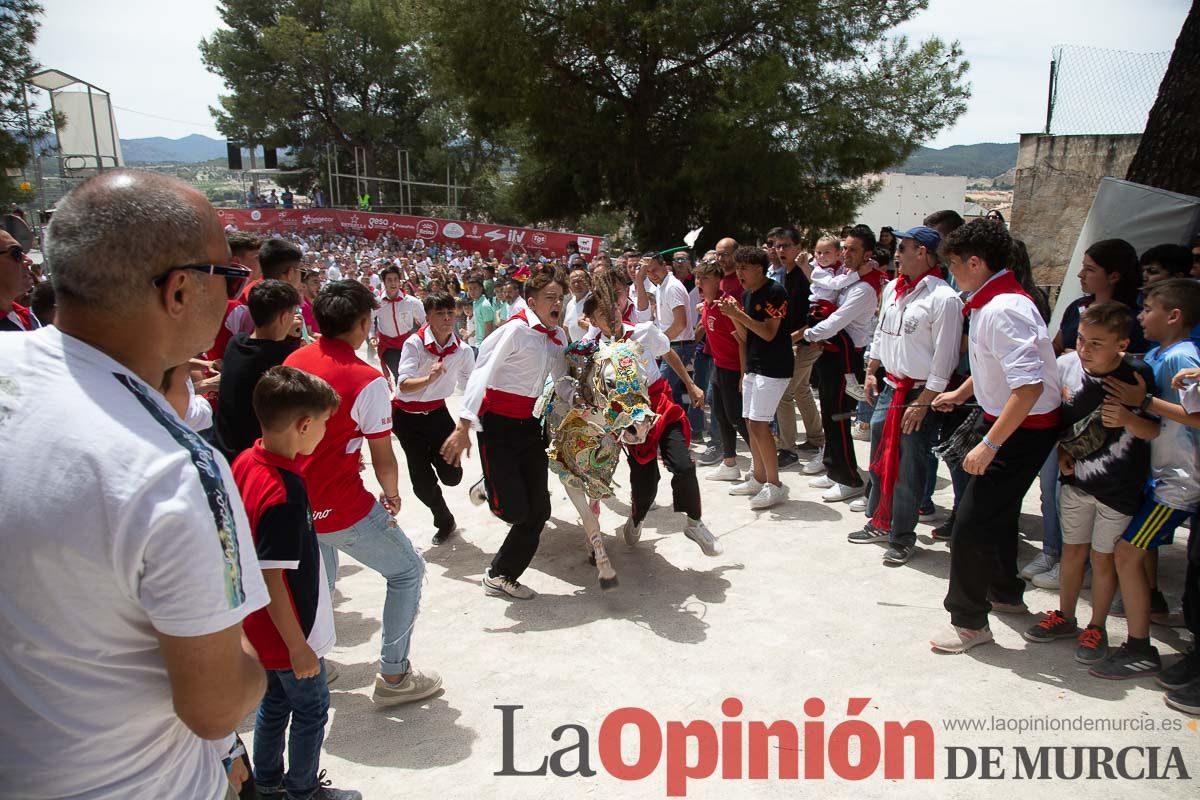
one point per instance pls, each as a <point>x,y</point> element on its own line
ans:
<point>144,53</point>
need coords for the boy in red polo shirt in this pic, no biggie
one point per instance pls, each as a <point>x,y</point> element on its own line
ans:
<point>726,354</point>
<point>347,517</point>
<point>295,631</point>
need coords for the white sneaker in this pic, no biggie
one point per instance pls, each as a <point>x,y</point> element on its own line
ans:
<point>747,488</point>
<point>1051,578</point>
<point>769,495</point>
<point>861,431</point>
<point>814,466</point>
<point>1042,562</point>
<point>822,482</point>
<point>859,505</point>
<point>725,472</point>
<point>477,493</point>
<point>701,535</point>
<point>854,388</point>
<point>841,491</point>
<point>501,586</point>
<point>631,533</point>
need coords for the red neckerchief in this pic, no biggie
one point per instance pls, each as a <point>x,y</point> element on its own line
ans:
<point>433,348</point>
<point>904,285</point>
<point>23,314</point>
<point>1004,283</point>
<point>399,296</point>
<point>551,333</point>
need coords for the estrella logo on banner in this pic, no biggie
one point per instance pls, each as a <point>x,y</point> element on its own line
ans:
<point>465,234</point>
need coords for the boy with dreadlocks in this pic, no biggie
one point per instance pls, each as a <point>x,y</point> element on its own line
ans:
<point>670,435</point>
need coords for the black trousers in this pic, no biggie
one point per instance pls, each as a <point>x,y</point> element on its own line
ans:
<point>516,475</point>
<point>983,552</point>
<point>685,489</point>
<point>727,409</point>
<point>1191,584</point>
<point>421,437</point>
<point>837,408</point>
<point>391,360</point>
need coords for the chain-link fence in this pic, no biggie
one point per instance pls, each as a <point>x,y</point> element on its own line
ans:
<point>1095,91</point>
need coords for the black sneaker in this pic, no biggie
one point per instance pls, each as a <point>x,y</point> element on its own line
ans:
<point>942,532</point>
<point>1184,671</point>
<point>1053,625</point>
<point>807,447</point>
<point>443,532</point>
<point>710,456</point>
<point>899,554</point>
<point>1186,699</point>
<point>868,535</point>
<point>787,458</point>
<point>1093,645</point>
<point>1125,664</point>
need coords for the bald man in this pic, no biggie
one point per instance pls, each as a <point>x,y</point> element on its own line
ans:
<point>128,563</point>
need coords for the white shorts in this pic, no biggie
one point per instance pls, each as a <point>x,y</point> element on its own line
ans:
<point>1085,520</point>
<point>761,396</point>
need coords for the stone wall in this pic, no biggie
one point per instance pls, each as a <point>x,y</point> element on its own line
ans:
<point>1057,179</point>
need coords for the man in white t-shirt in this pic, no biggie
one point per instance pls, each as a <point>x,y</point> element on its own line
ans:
<point>128,563</point>
<point>671,300</point>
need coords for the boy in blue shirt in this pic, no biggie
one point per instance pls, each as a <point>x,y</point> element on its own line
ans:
<point>1171,309</point>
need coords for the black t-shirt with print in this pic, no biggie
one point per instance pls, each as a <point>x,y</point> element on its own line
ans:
<point>773,358</point>
<point>1115,474</point>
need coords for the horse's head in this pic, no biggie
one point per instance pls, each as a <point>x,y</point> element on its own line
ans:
<point>619,384</point>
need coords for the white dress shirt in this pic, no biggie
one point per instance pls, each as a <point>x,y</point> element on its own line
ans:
<point>398,316</point>
<point>572,314</point>
<point>918,336</point>
<point>416,361</point>
<point>855,314</point>
<point>515,359</point>
<point>1009,348</point>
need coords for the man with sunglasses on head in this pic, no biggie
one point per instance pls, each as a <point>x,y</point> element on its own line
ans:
<point>129,564</point>
<point>15,280</point>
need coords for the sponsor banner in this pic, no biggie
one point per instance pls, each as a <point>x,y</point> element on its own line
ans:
<point>459,233</point>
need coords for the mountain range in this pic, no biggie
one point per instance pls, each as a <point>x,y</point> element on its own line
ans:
<point>973,160</point>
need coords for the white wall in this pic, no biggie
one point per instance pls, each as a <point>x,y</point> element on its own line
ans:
<point>905,200</point>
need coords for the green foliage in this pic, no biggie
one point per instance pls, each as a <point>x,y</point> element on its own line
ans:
<point>18,32</point>
<point>734,114</point>
<point>306,73</point>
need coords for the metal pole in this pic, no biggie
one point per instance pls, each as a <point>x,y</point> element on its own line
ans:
<point>112,131</point>
<point>36,217</point>
<point>408,180</point>
<point>329,169</point>
<point>1050,95</point>
<point>400,180</point>
<point>447,185</point>
<point>337,171</point>
<point>95,133</point>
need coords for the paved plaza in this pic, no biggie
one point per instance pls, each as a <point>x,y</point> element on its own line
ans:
<point>790,612</point>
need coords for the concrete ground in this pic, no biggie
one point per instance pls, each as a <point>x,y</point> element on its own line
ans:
<point>791,611</point>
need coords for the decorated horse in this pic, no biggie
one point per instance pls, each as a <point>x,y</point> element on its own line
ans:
<point>599,406</point>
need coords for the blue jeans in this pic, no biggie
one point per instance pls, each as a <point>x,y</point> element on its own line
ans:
<point>686,352</point>
<point>306,702</point>
<point>702,375</point>
<point>377,541</point>
<point>1051,530</point>
<point>909,490</point>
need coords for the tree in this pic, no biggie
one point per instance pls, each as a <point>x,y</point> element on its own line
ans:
<point>1168,156</point>
<point>735,114</point>
<point>18,32</point>
<point>304,74</point>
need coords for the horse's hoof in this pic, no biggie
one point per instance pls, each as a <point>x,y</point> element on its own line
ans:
<point>608,583</point>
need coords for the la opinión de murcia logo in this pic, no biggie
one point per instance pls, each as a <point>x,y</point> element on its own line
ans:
<point>632,745</point>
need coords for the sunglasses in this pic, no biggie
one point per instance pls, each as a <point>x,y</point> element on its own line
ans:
<point>235,275</point>
<point>16,253</point>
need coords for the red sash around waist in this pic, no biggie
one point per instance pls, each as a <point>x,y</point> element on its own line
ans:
<point>1034,422</point>
<point>417,406</point>
<point>506,404</point>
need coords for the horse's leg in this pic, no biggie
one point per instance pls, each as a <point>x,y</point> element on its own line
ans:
<point>591,530</point>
